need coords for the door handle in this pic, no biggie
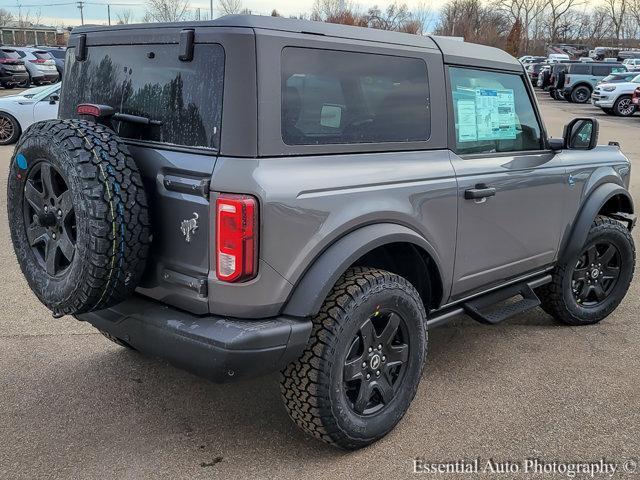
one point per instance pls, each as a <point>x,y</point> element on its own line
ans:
<point>480,191</point>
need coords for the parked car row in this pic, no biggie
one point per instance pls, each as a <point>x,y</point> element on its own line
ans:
<point>25,66</point>
<point>609,85</point>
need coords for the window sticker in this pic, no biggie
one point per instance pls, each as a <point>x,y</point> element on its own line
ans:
<point>495,114</point>
<point>467,131</point>
<point>490,114</point>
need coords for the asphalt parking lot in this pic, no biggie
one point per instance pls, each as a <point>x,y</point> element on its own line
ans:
<point>73,405</point>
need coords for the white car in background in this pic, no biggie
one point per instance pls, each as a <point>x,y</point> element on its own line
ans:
<point>19,111</point>
<point>616,98</point>
<point>632,64</point>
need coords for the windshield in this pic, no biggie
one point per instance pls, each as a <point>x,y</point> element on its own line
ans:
<point>36,90</point>
<point>150,81</point>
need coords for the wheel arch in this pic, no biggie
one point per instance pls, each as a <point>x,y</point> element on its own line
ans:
<point>582,84</point>
<point>387,246</point>
<point>607,199</point>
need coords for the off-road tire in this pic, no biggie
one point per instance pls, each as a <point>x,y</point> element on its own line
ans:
<point>580,94</point>
<point>104,191</point>
<point>312,387</point>
<point>557,297</point>
<point>116,340</point>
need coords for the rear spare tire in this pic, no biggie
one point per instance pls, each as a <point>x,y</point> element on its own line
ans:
<point>78,215</point>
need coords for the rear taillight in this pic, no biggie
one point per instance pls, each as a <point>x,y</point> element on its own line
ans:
<point>38,60</point>
<point>636,93</point>
<point>567,80</point>
<point>236,237</point>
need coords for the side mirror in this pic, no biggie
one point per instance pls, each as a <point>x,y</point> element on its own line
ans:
<point>581,134</point>
<point>54,98</point>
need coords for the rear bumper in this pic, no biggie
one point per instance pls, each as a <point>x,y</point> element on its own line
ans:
<point>218,348</point>
<point>7,78</point>
<point>49,77</point>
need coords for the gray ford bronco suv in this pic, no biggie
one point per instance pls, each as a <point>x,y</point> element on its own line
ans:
<point>255,194</point>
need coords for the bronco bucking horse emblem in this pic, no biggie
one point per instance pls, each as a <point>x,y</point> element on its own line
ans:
<point>189,227</point>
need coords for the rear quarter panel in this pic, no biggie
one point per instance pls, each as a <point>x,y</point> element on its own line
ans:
<point>307,203</point>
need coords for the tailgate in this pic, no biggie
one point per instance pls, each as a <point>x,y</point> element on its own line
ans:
<point>176,153</point>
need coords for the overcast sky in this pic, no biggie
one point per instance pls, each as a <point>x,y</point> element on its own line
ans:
<point>65,12</point>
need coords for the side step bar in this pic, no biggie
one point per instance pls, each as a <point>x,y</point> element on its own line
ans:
<point>478,308</point>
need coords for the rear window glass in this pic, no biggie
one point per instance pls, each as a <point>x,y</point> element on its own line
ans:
<point>42,55</point>
<point>333,97</point>
<point>9,54</point>
<point>58,53</point>
<point>150,81</point>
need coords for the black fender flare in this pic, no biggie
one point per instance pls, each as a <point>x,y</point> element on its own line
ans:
<point>589,211</point>
<point>310,292</point>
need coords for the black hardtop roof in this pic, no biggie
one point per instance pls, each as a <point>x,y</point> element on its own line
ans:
<point>453,51</point>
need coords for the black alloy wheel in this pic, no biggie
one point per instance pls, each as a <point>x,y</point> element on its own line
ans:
<point>49,218</point>
<point>586,289</point>
<point>596,274</point>
<point>374,366</point>
<point>362,365</point>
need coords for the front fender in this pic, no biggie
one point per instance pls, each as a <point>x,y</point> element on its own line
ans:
<point>590,209</point>
<point>311,291</point>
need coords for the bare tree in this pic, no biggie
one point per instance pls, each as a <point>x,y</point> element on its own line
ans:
<point>474,21</point>
<point>617,13</point>
<point>230,7</point>
<point>424,16</point>
<point>635,11</point>
<point>395,17</point>
<point>5,17</point>
<point>166,10</point>
<point>124,17</point>
<point>557,9</point>
<point>523,11</point>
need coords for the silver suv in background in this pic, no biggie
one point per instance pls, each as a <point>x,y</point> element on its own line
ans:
<point>616,98</point>
<point>632,64</point>
<point>40,65</point>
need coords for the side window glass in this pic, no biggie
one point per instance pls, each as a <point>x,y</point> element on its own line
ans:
<point>601,70</point>
<point>492,112</point>
<point>579,69</point>
<point>335,97</point>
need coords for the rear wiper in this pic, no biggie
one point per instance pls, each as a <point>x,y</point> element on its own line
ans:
<point>105,112</point>
<point>125,117</point>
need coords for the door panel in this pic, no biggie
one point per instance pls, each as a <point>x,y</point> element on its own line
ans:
<point>514,231</point>
<point>43,110</point>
